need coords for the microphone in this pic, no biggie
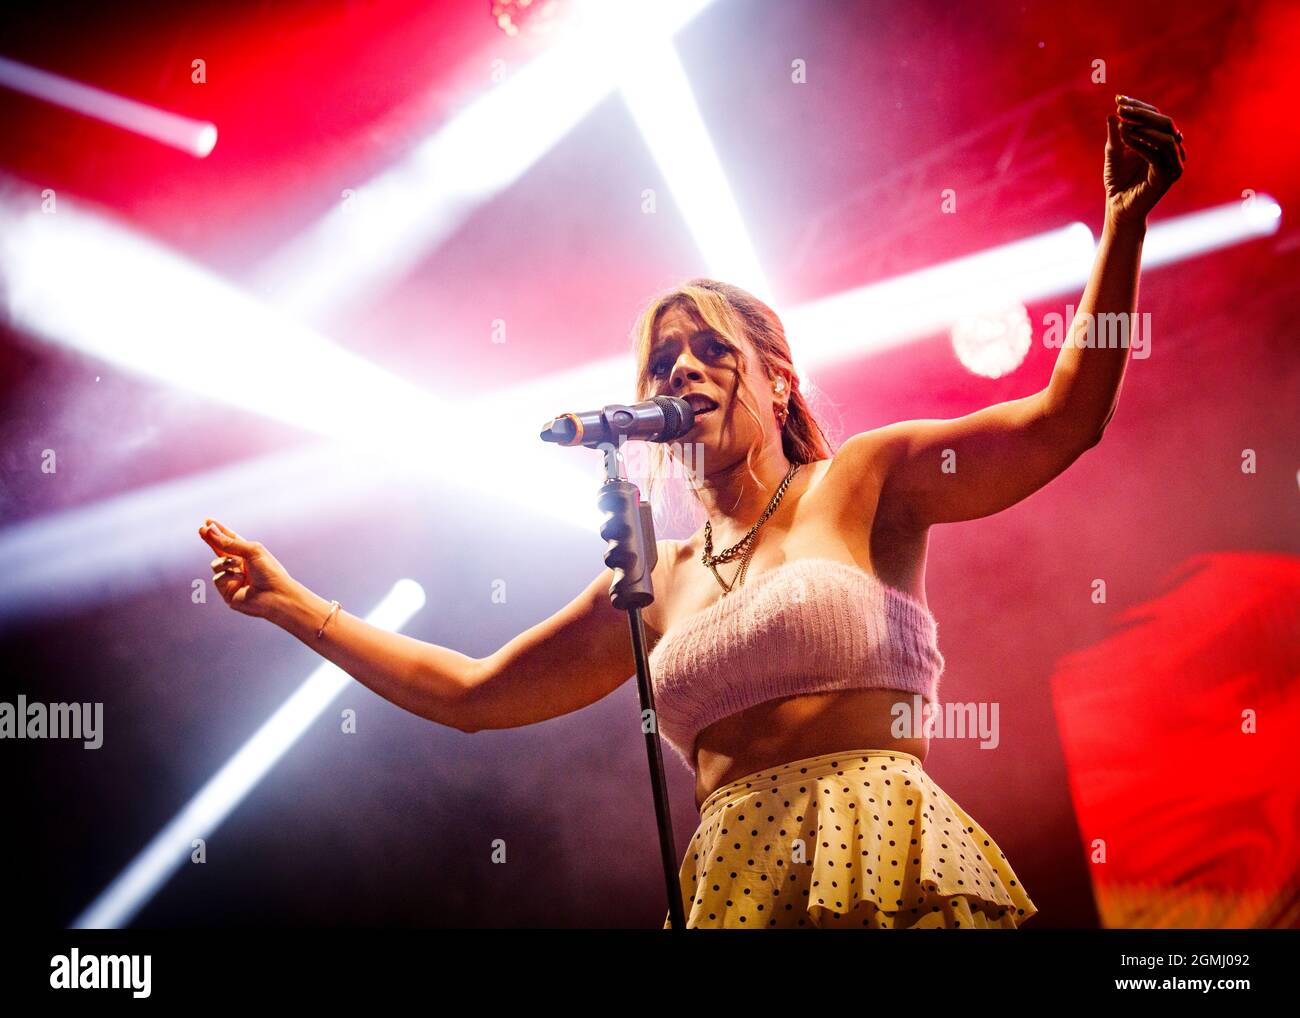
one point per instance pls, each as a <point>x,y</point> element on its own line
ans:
<point>660,419</point>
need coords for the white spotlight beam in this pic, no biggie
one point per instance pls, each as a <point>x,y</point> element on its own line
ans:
<point>398,217</point>
<point>118,904</point>
<point>922,303</point>
<point>893,311</point>
<point>197,137</point>
<point>659,97</point>
<point>142,307</point>
<point>145,309</point>
<point>1210,229</point>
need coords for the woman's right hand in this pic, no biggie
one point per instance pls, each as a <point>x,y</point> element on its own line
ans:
<point>249,578</point>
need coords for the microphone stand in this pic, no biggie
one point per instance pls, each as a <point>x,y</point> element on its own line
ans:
<point>632,554</point>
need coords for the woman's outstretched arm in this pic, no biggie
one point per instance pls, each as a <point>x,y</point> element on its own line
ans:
<point>563,663</point>
<point>943,471</point>
<point>423,678</point>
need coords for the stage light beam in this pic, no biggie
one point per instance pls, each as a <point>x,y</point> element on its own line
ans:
<point>401,215</point>
<point>1173,240</point>
<point>132,889</point>
<point>147,310</point>
<point>659,97</point>
<point>197,137</point>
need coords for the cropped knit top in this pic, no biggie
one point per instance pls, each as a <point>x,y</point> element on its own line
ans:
<point>809,625</point>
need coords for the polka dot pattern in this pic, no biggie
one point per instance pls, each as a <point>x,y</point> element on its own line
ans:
<point>856,840</point>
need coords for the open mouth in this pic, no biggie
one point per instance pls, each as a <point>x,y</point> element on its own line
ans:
<point>702,405</point>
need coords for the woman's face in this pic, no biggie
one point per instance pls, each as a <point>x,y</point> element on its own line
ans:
<point>688,359</point>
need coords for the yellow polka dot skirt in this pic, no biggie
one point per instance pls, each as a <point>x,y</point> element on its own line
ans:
<point>845,840</point>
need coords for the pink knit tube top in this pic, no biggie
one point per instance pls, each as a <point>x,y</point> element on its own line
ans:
<point>809,625</point>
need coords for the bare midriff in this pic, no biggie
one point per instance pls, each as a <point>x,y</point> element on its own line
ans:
<point>770,734</point>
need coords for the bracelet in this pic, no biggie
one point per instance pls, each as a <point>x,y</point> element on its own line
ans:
<point>334,607</point>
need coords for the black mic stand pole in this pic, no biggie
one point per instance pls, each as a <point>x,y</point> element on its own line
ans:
<point>632,555</point>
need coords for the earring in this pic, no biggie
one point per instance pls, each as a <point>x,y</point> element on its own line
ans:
<point>780,385</point>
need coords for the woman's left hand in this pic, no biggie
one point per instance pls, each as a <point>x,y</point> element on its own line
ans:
<point>1144,156</point>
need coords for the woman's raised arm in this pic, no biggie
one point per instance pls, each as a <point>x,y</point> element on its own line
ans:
<point>944,471</point>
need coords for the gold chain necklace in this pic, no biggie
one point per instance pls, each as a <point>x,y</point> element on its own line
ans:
<point>745,546</point>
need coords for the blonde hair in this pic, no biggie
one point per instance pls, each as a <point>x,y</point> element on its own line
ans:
<point>737,316</point>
